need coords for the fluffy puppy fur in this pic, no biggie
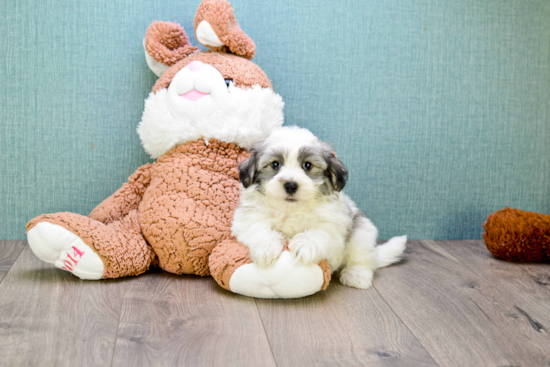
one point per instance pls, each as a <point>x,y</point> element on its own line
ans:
<point>291,192</point>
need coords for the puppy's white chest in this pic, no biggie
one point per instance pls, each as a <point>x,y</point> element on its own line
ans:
<point>292,224</point>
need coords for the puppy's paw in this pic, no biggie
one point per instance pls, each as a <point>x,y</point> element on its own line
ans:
<point>266,255</point>
<point>357,277</point>
<point>305,250</point>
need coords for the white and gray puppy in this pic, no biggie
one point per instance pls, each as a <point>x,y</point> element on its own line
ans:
<point>290,191</point>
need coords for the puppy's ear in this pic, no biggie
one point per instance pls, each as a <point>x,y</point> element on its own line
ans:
<point>248,170</point>
<point>165,44</point>
<point>336,172</point>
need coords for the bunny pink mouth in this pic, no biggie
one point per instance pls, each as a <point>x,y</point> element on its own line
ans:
<point>194,95</point>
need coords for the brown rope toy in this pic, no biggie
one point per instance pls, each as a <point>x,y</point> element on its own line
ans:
<point>518,235</point>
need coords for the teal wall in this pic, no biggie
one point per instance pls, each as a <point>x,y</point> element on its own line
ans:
<point>440,109</point>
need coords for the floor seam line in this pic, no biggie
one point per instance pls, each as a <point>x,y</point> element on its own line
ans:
<point>117,328</point>
<point>405,324</point>
<point>14,261</point>
<point>265,333</point>
<point>495,289</point>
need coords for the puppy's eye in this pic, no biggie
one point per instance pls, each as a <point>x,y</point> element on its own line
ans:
<point>275,164</point>
<point>228,82</point>
<point>308,166</point>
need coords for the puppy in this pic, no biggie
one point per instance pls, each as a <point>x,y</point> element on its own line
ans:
<point>291,192</point>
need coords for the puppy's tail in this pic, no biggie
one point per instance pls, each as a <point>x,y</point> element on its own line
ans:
<point>391,251</point>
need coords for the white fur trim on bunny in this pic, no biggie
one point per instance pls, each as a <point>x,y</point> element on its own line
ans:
<point>155,66</point>
<point>243,117</point>
<point>206,35</point>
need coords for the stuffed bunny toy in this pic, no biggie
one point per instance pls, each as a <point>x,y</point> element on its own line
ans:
<point>205,110</point>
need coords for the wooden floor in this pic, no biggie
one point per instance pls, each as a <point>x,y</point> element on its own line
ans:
<point>448,304</point>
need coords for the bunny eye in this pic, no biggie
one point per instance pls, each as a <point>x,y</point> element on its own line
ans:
<point>228,82</point>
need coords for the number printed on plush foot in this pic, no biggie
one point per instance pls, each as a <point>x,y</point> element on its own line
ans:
<point>69,263</point>
<point>56,245</point>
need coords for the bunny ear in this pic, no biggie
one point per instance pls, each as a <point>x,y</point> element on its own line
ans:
<point>217,29</point>
<point>165,44</point>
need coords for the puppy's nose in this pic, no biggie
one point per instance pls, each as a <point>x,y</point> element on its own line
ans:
<point>195,65</point>
<point>291,187</point>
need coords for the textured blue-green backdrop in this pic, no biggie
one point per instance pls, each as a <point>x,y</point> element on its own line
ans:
<point>440,109</point>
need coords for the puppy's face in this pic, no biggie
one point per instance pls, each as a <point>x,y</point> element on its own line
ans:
<point>292,165</point>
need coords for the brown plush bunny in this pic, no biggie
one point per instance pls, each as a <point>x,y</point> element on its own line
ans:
<point>205,111</point>
<point>518,235</point>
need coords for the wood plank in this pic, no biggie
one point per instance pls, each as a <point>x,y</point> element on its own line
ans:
<point>459,317</point>
<point>526,285</point>
<point>9,251</point>
<point>189,321</point>
<point>48,317</point>
<point>339,327</point>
